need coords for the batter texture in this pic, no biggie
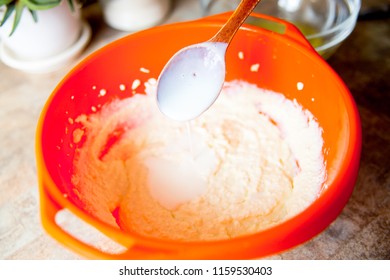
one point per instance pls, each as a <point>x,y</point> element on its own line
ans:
<point>251,161</point>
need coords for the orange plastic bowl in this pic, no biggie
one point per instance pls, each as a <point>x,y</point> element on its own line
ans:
<point>285,58</point>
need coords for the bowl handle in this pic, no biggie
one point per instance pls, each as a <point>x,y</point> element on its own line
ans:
<point>282,27</point>
<point>49,210</point>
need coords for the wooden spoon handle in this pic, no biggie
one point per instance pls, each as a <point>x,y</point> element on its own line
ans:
<point>226,33</point>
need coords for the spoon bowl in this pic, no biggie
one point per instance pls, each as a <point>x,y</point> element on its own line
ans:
<point>193,78</point>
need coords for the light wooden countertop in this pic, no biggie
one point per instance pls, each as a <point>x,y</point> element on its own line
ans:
<point>362,231</point>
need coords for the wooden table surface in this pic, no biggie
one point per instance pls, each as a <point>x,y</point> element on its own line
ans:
<point>362,231</point>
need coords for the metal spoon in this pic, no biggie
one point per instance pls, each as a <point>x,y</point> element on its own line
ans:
<point>193,78</point>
